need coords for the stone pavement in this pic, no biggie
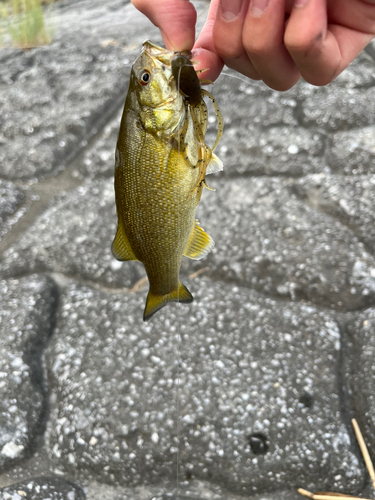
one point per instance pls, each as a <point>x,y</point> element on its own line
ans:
<point>275,355</point>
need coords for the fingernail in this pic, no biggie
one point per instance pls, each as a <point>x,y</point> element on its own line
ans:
<point>258,7</point>
<point>300,3</point>
<point>230,9</point>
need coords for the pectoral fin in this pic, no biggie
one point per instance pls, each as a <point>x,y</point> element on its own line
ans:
<point>155,302</point>
<point>121,248</point>
<point>200,243</point>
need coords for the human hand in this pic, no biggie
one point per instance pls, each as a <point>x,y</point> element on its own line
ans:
<point>276,41</point>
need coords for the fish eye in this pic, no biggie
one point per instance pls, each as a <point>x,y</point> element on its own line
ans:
<point>144,77</point>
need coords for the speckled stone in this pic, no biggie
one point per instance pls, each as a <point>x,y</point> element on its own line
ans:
<point>353,152</point>
<point>348,199</point>
<point>267,237</point>
<point>27,309</point>
<point>74,237</point>
<point>43,488</point>
<point>187,490</point>
<point>359,370</point>
<point>292,151</point>
<point>99,161</point>
<point>248,365</point>
<point>343,109</point>
<point>51,106</point>
<point>11,198</point>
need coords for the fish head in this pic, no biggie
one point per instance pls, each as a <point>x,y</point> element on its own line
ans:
<point>160,105</point>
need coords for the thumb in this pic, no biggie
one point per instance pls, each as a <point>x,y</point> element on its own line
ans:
<point>175,20</point>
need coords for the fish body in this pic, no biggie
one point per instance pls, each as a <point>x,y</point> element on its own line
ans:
<point>157,183</point>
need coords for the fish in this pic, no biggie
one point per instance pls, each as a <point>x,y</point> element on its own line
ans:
<point>161,162</point>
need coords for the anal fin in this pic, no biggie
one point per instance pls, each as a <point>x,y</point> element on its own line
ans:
<point>121,248</point>
<point>200,243</point>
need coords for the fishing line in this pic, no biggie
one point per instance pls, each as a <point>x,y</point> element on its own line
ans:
<point>178,314</point>
<point>245,80</point>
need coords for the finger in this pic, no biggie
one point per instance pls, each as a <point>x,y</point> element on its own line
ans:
<point>358,15</point>
<point>208,61</point>
<point>204,51</point>
<point>175,19</point>
<point>227,36</point>
<point>263,39</point>
<point>320,51</point>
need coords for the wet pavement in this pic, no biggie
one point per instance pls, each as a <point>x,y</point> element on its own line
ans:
<point>247,392</point>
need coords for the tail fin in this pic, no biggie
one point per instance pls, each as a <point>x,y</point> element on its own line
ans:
<point>155,302</point>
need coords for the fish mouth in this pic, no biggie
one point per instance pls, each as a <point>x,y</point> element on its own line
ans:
<point>168,100</point>
<point>160,53</point>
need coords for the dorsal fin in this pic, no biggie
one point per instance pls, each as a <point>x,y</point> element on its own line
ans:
<point>200,243</point>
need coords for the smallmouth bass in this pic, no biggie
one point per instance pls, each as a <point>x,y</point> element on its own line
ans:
<point>160,169</point>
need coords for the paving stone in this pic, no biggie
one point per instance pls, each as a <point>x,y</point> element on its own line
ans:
<point>51,106</point>
<point>11,198</point>
<point>359,371</point>
<point>43,488</point>
<point>274,151</point>
<point>251,368</point>
<point>242,99</point>
<point>27,309</point>
<point>188,490</point>
<point>99,161</point>
<point>353,152</point>
<point>268,238</point>
<point>349,199</point>
<point>74,237</point>
<point>338,110</point>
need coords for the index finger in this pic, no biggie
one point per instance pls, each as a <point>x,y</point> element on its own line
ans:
<point>204,52</point>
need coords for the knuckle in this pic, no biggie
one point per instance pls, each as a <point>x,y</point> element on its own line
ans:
<point>304,46</point>
<point>227,50</point>
<point>257,46</point>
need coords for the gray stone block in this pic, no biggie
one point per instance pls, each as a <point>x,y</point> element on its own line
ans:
<point>99,161</point>
<point>276,151</point>
<point>353,152</point>
<point>250,368</point>
<point>343,109</point>
<point>43,488</point>
<point>74,237</point>
<point>11,198</point>
<point>269,239</point>
<point>348,199</point>
<point>359,371</point>
<point>27,308</point>
<point>51,106</point>
<point>187,490</point>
